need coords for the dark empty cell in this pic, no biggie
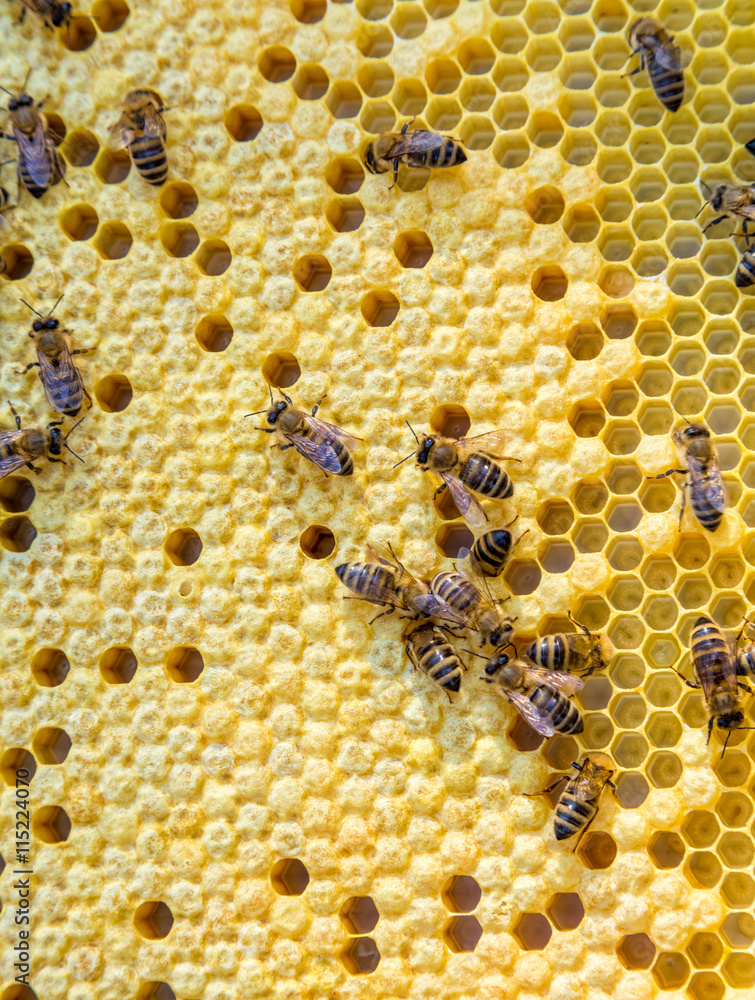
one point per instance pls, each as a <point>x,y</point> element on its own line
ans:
<point>17,759</point>
<point>153,920</point>
<point>511,150</point>
<point>308,11</point>
<point>243,122</point>
<point>155,991</point>
<point>113,241</point>
<point>180,239</point>
<point>18,261</point>
<point>110,14</point>
<point>184,664</point>
<point>311,83</point>
<point>631,789</point>
<point>523,576</point>
<point>118,665</point>
<point>442,75</point>
<point>289,877</point>
<point>413,248</point>
<point>450,420</point>
<point>566,911</point>
<point>277,64</point>
<point>17,533</point>
<point>619,323</point>
<point>523,736</point>
<point>461,894</point>
<point>585,342</point>
<point>361,957</point>
<point>555,517</point>
<point>345,214</point>
<point>624,516</point>
<point>581,224</point>
<point>533,932</point>
<point>549,283</point>
<point>636,951</point>
<point>51,745</point>
<point>545,205</point>
<point>671,970</point>
<point>78,35</point>
<point>113,393</point>
<point>183,546</point>
<point>359,915</point>
<point>81,148</point>
<point>557,557</point>
<point>451,538</point>
<point>112,165</point>
<point>317,542</point>
<point>281,369</point>
<point>462,934</point>
<point>379,308</point>
<point>179,200</point>
<point>312,273</point>
<point>345,175</point>
<point>51,825</point>
<point>16,494</point>
<point>344,99</point>
<point>50,667</point>
<point>213,257</point>
<point>587,420</point>
<point>214,333</point>
<point>597,850</point>
<point>666,848</point>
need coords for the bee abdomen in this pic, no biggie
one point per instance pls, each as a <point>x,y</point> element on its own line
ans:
<point>28,182</point>
<point>150,160</point>
<point>564,716</point>
<point>746,661</point>
<point>550,653</point>
<point>441,664</point>
<point>572,814</point>
<point>668,84</point>
<point>490,552</point>
<point>745,273</point>
<point>455,591</point>
<point>484,475</point>
<point>65,397</point>
<point>363,577</point>
<point>450,154</point>
<point>708,516</point>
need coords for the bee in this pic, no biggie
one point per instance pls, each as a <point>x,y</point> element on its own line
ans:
<point>541,696</point>
<point>577,805</point>
<point>715,663</point>
<point>707,491</point>
<point>463,465</point>
<point>731,200</point>
<point>325,445</point>
<point>491,551</point>
<point>5,205</point>
<point>744,276</point>
<point>656,49</point>
<point>53,13</point>
<point>750,146</point>
<point>142,129</point>
<point>416,149</point>
<point>455,595</point>
<point>572,651</point>
<point>38,161</point>
<point>25,446</point>
<point>746,655</point>
<point>430,651</point>
<point>61,379</point>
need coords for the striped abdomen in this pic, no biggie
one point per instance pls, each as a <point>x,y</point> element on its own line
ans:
<point>746,660</point>
<point>572,814</point>
<point>708,515</point>
<point>37,190</point>
<point>455,590</point>
<point>65,394</point>
<point>484,475</point>
<point>668,84</point>
<point>449,154</point>
<point>150,159</point>
<point>548,701</point>
<point>745,273</point>
<point>437,659</point>
<point>342,452</point>
<point>367,580</point>
<point>490,552</point>
<point>710,650</point>
<point>550,652</point>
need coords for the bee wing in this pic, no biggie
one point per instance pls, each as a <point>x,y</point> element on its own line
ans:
<point>121,134</point>
<point>33,152</point>
<point>583,788</point>
<point>322,455</point>
<point>415,142</point>
<point>52,376</point>
<point>326,429</point>
<point>668,56</point>
<point>568,683</point>
<point>436,607</point>
<point>539,722</point>
<point>153,124</point>
<point>469,506</point>
<point>10,462</point>
<point>709,481</point>
<point>491,442</point>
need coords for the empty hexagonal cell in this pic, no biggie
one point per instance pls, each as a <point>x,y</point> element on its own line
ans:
<point>739,930</point>
<point>413,248</point>
<point>522,576</point>
<point>344,99</point>
<point>213,257</point>
<point>51,824</point>
<point>154,991</point>
<point>184,664</point>
<point>566,911</point>
<point>113,241</point>
<point>377,116</point>
<point>630,750</point>
<point>51,745</point>
<point>374,41</point>
<point>243,122</point>
<point>345,215</point>
<point>656,419</point>
<point>616,243</point>
<point>310,82</point>
<point>511,112</point>
<point>636,951</point>
<point>624,554</point>
<point>585,342</point>
<point>476,132</point>
<point>289,877</point>
<point>308,11</point>
<point>462,934</point>
<point>410,97</point>
<point>18,261</point>
<point>281,369</point>
<point>379,308</point>
<point>442,75</point>
<point>671,970</point>
<point>555,517</point>
<point>590,536</point>
<point>445,506</point>
<point>587,419</point>
<point>545,205</point>
<point>577,72</point>
<point>50,667</point>
<point>214,334</point>
<point>621,438</point>
<point>616,281</point>
<point>533,931</point>
<point>376,79</point>
<point>81,148</point>
<point>180,239</point>
<point>461,894</point>
<point>545,130</point>
<point>183,546</point>
<point>112,165</point>
<point>113,393</point>
<point>523,736</point>
<point>739,971</point>
<point>345,175</point>
<point>79,222</point>
<point>556,557</point>
<point>277,63</point>
<point>312,272</point>
<point>703,870</point>
<point>511,150</point>
<point>596,694</point>
<point>450,420</point>
<point>624,516</point>
<point>178,199</point>
<point>17,533</point>
<point>153,920</point>
<point>317,542</point>
<point>625,594</point>
<point>478,95</point>
<point>361,957</point>
<point>543,54</point>
<point>560,751</point>
<point>631,789</point>
<point>700,828</point>
<point>358,914</point>
<point>655,379</point>
<point>118,665</point>
<point>666,849</point>
<point>581,224</point>
<point>738,890</point>
<point>579,149</point>
<point>476,56</point>
<point>452,538</point>
<point>17,762</point>
<point>597,850</point>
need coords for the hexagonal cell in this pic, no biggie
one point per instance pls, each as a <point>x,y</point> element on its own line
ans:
<point>358,914</point>
<point>281,369</point>
<point>655,379</point>
<point>478,95</point>
<point>560,751</point>
<point>476,56</point>
<point>631,789</point>
<point>577,72</point>
<point>379,308</point>
<point>345,215</point>
<point>545,205</point>
<point>629,711</point>
<point>377,116</point>
<point>180,239</point>
<point>666,849</point>
<point>15,763</point>
<point>565,911</point>
<point>533,932</point>
<point>442,75</point>
<point>376,79</point>
<point>660,613</point>
<point>738,930</point>
<point>213,257</point>
<point>450,420</point>
<point>627,632</point>
<point>671,970</point>
<point>118,665</point>
<point>79,222</point>
<point>289,877</point>
<point>461,894</point>
<point>587,419</point>
<point>312,272</point>
<point>409,20</point>
<point>555,517</point>
<point>374,41</point>
<point>113,393</point>
<point>585,342</point>
<point>51,745</point>
<point>739,971</point>
<point>317,542</point>
<point>310,82</point>
<point>445,506</point>
<point>462,934</point>
<point>511,112</point>
<point>183,546</point>
<point>51,825</point>
<point>625,594</point>
<point>624,554</point>
<point>693,711</point>
<point>664,769</point>
<point>153,920</point>
<point>597,851</point>
<point>545,130</point>
<point>511,150</point>
<point>308,11</point>
<point>410,97</point>
<point>703,870</point>
<point>590,498</point>
<point>154,991</point>
<point>362,957</point>
<point>452,538</point>
<point>700,828</point>
<point>413,248</point>
<point>621,438</point>
<point>624,516</point>
<point>523,736</point>
<point>596,694</point>
<point>636,951</point>
<point>738,890</point>
<point>705,950</point>
<point>664,729</point>
<point>184,664</point>
<point>344,99</point>
<point>18,261</point>
<point>734,809</point>
<point>664,688</point>
<point>736,849</point>
<point>244,123</point>
<point>556,557</point>
<point>476,132</point>
<point>17,533</point>
<point>113,241</point>
<point>598,731</point>
<point>656,419</point>
<point>50,667</point>
<point>522,576</point>
<point>277,63</point>
<point>630,750</point>
<point>581,223</point>
<point>616,281</point>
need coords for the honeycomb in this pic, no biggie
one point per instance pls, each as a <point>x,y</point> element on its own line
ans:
<point>240,788</point>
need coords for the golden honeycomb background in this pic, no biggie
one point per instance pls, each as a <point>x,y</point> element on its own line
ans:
<point>242,789</point>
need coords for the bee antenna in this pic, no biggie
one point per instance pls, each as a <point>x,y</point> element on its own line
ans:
<point>706,186</point>
<point>26,78</point>
<point>403,460</point>
<point>52,311</point>
<point>471,653</point>
<point>272,401</point>
<point>255,414</point>
<point>681,415</point>
<point>726,743</point>
<point>6,91</point>
<point>71,432</point>
<point>74,453</point>
<point>412,430</point>
<point>33,309</point>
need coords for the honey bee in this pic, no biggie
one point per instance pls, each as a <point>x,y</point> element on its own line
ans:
<point>25,446</point>
<point>715,663</point>
<point>491,551</point>
<point>61,379</point>
<point>416,149</point>
<point>430,651</point>
<point>577,805</point>
<point>541,696</point>
<point>731,200</point>
<point>453,594</point>
<point>325,445</point>
<point>746,655</point>
<point>744,276</point>
<point>142,129</point>
<point>463,465</point>
<point>571,651</point>
<point>5,205</point>
<point>53,13</point>
<point>38,161</point>
<point>707,491</point>
<point>656,49</point>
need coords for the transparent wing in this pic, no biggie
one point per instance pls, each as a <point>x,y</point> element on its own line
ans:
<point>415,142</point>
<point>709,481</point>
<point>469,506</point>
<point>583,788</point>
<point>491,442</point>
<point>436,607</point>
<point>668,56</point>
<point>10,462</point>
<point>327,430</point>
<point>568,683</point>
<point>33,152</point>
<point>52,377</point>
<point>539,722</point>
<point>153,124</point>
<point>121,134</point>
<point>322,455</point>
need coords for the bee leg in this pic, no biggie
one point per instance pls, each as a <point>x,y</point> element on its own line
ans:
<point>91,402</point>
<point>381,615</point>
<point>663,475</point>
<point>395,174</point>
<point>713,222</point>
<point>688,683</point>
<point>18,424</point>
<point>684,504</point>
<point>33,468</point>
<point>32,364</point>
<point>583,831</point>
<point>578,624</point>
<point>439,490</point>
<point>546,791</point>
<point>745,687</point>
<point>710,731</point>
<point>316,407</point>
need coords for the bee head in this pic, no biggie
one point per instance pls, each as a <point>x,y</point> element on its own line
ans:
<point>425,448</point>
<point>717,198</point>
<point>730,720</point>
<point>692,432</point>
<point>502,636</point>
<point>13,104</point>
<point>62,14</point>
<point>272,415</point>
<point>56,440</point>
<point>369,159</point>
<point>494,664</point>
